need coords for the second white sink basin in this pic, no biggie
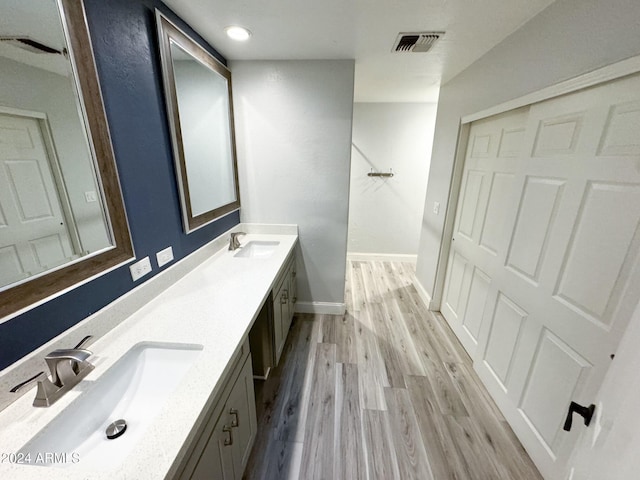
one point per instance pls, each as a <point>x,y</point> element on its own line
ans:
<point>133,389</point>
<point>258,249</point>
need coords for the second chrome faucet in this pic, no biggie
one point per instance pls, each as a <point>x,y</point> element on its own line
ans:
<point>234,243</point>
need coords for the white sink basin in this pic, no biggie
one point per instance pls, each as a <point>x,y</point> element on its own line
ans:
<point>134,389</point>
<point>258,249</point>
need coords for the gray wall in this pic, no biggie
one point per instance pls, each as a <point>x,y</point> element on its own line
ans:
<point>385,213</point>
<point>293,128</point>
<point>568,38</point>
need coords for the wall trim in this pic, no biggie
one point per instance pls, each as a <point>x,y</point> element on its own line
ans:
<point>450,217</point>
<point>601,75</point>
<point>323,308</point>
<point>424,296</point>
<point>382,257</point>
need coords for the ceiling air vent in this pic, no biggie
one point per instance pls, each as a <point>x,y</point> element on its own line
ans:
<point>30,45</point>
<point>420,42</point>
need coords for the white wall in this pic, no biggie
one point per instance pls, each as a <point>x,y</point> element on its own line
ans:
<point>568,38</point>
<point>293,132</point>
<point>613,452</point>
<point>385,213</point>
<point>30,88</point>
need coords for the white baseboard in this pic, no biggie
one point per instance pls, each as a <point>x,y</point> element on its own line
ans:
<point>382,257</point>
<point>323,308</point>
<point>422,293</point>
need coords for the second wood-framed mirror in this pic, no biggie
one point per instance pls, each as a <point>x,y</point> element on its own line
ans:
<point>199,107</point>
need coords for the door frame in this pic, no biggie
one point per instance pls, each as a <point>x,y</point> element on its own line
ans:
<point>56,171</point>
<point>605,74</point>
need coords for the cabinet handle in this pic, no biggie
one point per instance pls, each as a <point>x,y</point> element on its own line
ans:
<point>294,299</point>
<point>284,298</point>
<point>293,274</point>
<point>228,441</point>
<point>235,422</point>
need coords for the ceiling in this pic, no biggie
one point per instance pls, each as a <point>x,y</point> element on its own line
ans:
<point>39,21</point>
<point>364,30</point>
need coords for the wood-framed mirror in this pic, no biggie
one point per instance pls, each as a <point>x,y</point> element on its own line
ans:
<point>62,216</point>
<point>199,107</point>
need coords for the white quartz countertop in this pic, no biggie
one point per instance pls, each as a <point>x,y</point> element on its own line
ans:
<point>214,305</point>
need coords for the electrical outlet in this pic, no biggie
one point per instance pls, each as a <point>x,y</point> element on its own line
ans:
<point>91,197</point>
<point>140,268</point>
<point>436,208</point>
<point>164,256</point>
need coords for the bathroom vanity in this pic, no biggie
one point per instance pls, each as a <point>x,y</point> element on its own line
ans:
<point>204,426</point>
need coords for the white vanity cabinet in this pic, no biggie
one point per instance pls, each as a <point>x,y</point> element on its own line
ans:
<point>269,332</point>
<point>284,300</point>
<point>224,444</point>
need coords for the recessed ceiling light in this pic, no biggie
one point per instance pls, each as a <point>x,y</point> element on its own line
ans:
<point>238,33</point>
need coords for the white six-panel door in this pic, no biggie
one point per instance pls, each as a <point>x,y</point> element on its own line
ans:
<point>543,272</point>
<point>33,230</point>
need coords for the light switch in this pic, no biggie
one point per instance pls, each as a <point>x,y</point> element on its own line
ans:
<point>91,197</point>
<point>140,268</point>
<point>436,208</point>
<point>164,256</point>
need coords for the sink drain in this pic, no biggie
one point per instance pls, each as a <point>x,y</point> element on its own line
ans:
<point>116,429</point>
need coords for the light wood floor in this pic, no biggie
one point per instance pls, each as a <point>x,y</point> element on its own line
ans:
<point>383,392</point>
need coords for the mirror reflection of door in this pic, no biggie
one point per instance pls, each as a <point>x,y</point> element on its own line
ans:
<point>35,233</point>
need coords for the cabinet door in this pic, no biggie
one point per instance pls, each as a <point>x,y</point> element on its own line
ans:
<point>280,312</point>
<point>291,298</point>
<point>216,460</point>
<point>293,287</point>
<point>241,408</point>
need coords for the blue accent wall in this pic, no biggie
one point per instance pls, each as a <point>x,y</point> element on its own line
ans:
<point>125,46</point>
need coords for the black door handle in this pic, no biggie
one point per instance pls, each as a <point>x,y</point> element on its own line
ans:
<point>585,412</point>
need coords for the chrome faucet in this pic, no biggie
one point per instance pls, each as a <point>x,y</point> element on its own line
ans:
<point>67,367</point>
<point>234,243</point>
